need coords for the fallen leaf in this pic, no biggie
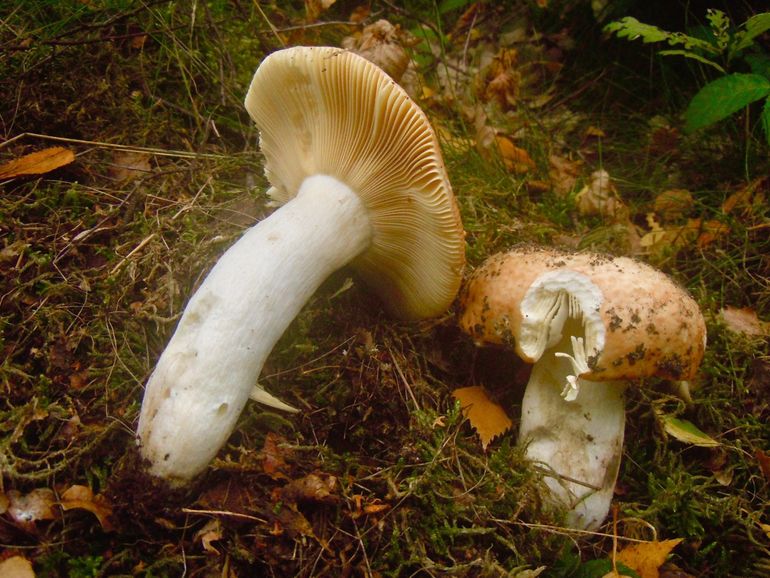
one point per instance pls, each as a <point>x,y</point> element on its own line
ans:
<point>748,199</point>
<point>764,463</point>
<point>383,44</point>
<point>686,432</point>
<point>745,321</point>
<point>487,417</point>
<point>314,8</point>
<point>311,488</point>
<point>26,509</point>
<point>37,163</point>
<point>600,197</point>
<point>82,498</point>
<point>515,159</point>
<point>646,558</point>
<point>128,165</point>
<point>16,567</point>
<point>563,174</point>
<point>274,456</point>
<point>673,204</point>
<point>211,532</point>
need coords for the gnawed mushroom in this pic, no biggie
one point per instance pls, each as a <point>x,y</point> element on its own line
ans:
<point>589,323</point>
<point>360,172</point>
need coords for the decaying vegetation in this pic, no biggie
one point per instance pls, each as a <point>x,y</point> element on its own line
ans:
<point>552,133</point>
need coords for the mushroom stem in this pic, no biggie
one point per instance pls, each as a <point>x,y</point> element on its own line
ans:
<point>206,373</point>
<point>579,441</point>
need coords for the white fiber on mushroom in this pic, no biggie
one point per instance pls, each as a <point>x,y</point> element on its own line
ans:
<point>590,324</point>
<point>360,172</point>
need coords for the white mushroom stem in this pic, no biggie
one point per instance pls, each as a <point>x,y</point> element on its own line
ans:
<point>206,373</point>
<point>577,437</point>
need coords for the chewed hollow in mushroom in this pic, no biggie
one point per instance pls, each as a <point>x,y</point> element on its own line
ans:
<point>590,324</point>
<point>358,170</point>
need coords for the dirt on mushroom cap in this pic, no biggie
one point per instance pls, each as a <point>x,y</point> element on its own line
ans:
<point>653,326</point>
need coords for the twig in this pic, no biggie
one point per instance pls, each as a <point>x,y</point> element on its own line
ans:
<point>224,513</point>
<point>129,148</point>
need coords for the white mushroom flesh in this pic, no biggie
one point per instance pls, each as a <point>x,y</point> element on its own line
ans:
<point>209,368</point>
<point>570,425</point>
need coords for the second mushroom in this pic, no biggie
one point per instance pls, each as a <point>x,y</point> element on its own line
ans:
<point>359,169</point>
<point>590,324</point>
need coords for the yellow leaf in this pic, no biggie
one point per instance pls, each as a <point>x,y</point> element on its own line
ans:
<point>487,417</point>
<point>37,163</point>
<point>515,159</point>
<point>647,557</point>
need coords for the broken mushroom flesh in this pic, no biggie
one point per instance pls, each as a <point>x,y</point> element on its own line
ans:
<point>359,172</point>
<point>590,324</point>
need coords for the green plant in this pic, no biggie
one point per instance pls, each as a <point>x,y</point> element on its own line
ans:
<point>719,46</point>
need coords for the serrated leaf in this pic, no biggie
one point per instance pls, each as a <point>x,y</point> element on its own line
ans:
<point>629,27</point>
<point>753,27</point>
<point>687,432</point>
<point>694,56</point>
<point>487,417</point>
<point>722,97</point>
<point>647,557</point>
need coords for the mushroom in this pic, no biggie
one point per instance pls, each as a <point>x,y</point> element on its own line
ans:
<point>359,172</point>
<point>589,323</point>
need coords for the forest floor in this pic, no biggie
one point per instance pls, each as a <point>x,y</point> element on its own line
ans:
<point>151,169</point>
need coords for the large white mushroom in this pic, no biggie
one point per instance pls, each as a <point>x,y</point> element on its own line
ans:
<point>360,172</point>
<point>589,323</point>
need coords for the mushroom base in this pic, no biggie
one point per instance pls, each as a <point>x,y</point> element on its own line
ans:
<point>203,378</point>
<point>579,442</point>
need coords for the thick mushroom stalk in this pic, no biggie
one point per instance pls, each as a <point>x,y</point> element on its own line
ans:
<point>359,169</point>
<point>590,324</point>
<point>573,428</point>
<point>211,364</point>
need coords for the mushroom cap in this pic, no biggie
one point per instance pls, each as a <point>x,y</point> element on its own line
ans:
<point>328,111</point>
<point>637,322</point>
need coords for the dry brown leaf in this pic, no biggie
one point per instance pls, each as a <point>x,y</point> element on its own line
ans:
<point>563,174</point>
<point>515,159</point>
<point>744,320</point>
<point>746,199</point>
<point>16,567</point>
<point>211,532</point>
<point>314,8</point>
<point>37,163</point>
<point>764,463</point>
<point>383,44</point>
<point>315,488</point>
<point>599,197</point>
<point>673,204</point>
<point>647,557</point>
<point>487,417</point>
<point>274,456</point>
<point>129,165</point>
<point>26,509</point>
<point>82,498</point>
<point>658,240</point>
